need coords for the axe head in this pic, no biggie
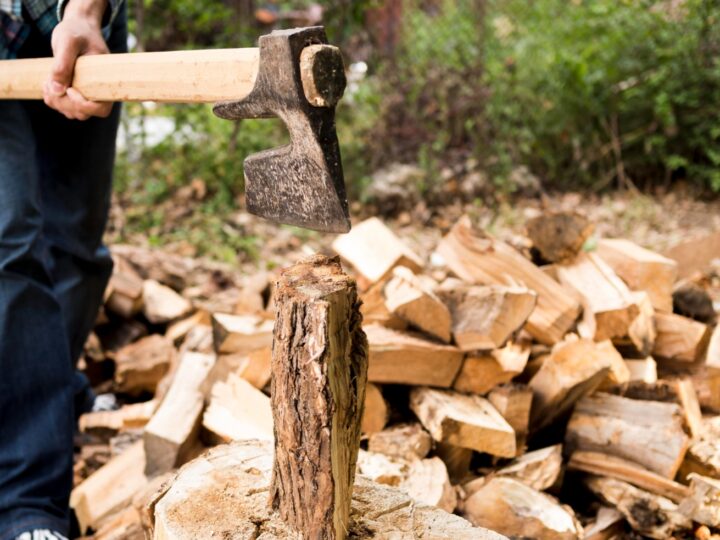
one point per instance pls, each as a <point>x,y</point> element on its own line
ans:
<point>302,183</point>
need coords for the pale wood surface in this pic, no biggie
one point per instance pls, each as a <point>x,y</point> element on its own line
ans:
<point>161,304</point>
<point>644,370</point>
<point>402,358</point>
<point>177,77</point>
<point>513,401</point>
<point>319,373</point>
<point>641,269</point>
<point>140,366</point>
<point>374,250</point>
<point>559,236</point>
<point>651,515</point>
<point>240,334</point>
<point>480,259</point>
<point>172,432</point>
<point>223,494</point>
<point>512,508</point>
<point>463,420</point>
<point>680,338</point>
<point>481,372</point>
<point>703,502</point>
<point>539,469</point>
<point>376,412</point>
<point>608,524</point>
<point>649,433</point>
<point>131,416</point>
<point>695,255</point>
<point>428,483</point>
<point>406,441</point>
<point>703,455</point>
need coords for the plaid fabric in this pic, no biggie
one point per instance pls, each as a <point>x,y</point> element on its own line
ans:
<point>15,16</point>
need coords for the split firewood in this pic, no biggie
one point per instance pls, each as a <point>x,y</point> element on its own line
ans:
<point>650,515</point>
<point>124,294</point>
<point>513,402</point>
<point>712,357</point>
<point>238,411</point>
<point>376,412</point>
<point>649,433</point>
<point>693,301</point>
<point>140,366</point>
<point>703,455</point>
<point>406,441</point>
<point>642,270</point>
<point>254,367</point>
<point>457,460</point>
<point>131,416</point>
<point>408,297</point>
<point>401,358</point>
<point>610,309</point>
<point>539,469</point>
<point>463,420</point>
<point>374,250</point>
<point>482,372</point>
<point>383,469</point>
<point>644,370</point>
<point>161,304</point>
<point>124,525</point>
<point>375,311</point>
<point>559,236</point>
<point>619,373</point>
<point>628,471</point>
<point>319,372</point>
<point>703,502</point>
<point>201,503</point>
<point>706,381</point>
<point>573,369</point>
<point>240,334</point>
<point>695,255</point>
<point>110,488</point>
<point>485,317</point>
<point>512,508</point>
<point>679,338</point>
<point>177,331</point>
<point>607,525</point>
<point>480,259</point>
<point>428,483</point>
<point>171,434</point>
<point>680,391</point>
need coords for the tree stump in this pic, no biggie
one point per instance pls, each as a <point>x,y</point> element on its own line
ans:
<point>319,373</point>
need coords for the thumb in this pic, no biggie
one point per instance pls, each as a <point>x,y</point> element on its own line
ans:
<point>65,50</point>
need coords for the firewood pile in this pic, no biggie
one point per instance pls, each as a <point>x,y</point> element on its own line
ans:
<point>560,387</point>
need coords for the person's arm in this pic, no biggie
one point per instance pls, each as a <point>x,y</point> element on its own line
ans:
<point>78,33</point>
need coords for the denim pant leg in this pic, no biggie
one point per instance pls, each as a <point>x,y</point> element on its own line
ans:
<point>36,371</point>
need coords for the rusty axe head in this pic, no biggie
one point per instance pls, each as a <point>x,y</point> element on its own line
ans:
<point>299,80</point>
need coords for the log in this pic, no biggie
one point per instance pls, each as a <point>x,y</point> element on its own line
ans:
<point>518,511</point>
<point>703,502</point>
<point>651,515</point>
<point>644,370</point>
<point>679,338</point>
<point>110,488</point>
<point>177,331</point>
<point>405,441</point>
<point>463,420</point>
<point>124,293</point>
<point>695,255</point>
<point>140,366</point>
<point>480,259</point>
<point>240,334</point>
<point>609,466</point>
<point>539,469</point>
<point>161,304</point>
<point>693,301</point>
<point>484,318</point>
<point>374,250</point>
<point>457,460</point>
<point>641,269</point>
<point>131,416</point>
<point>712,357</point>
<point>376,412</point>
<point>703,455</point>
<point>171,434</point>
<point>573,369</point>
<point>607,525</point>
<point>254,367</point>
<point>513,402</point>
<point>649,433</point>
<point>407,297</point>
<point>319,372</point>
<point>482,372</point>
<point>238,411</point>
<point>428,483</point>
<point>401,358</point>
<point>375,311</point>
<point>559,236</point>
<point>610,309</point>
<point>223,495</point>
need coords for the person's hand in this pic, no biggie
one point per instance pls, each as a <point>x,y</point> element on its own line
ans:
<point>79,33</point>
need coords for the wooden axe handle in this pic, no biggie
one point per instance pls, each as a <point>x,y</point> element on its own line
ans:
<point>175,77</point>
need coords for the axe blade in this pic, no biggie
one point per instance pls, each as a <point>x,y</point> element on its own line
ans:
<point>302,183</point>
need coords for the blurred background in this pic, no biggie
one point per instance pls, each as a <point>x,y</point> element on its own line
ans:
<point>450,105</point>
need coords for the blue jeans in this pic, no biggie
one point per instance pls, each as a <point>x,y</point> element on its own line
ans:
<point>55,187</point>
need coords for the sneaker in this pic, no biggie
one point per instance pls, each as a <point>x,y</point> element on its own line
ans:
<point>41,534</point>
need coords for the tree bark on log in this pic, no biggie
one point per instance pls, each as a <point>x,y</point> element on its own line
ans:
<point>319,373</point>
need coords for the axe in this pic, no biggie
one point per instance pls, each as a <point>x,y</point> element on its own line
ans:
<point>293,74</point>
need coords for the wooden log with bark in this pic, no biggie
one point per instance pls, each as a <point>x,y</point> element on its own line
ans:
<point>480,259</point>
<point>319,368</point>
<point>559,236</point>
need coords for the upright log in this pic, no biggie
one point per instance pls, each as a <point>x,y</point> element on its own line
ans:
<point>319,372</point>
